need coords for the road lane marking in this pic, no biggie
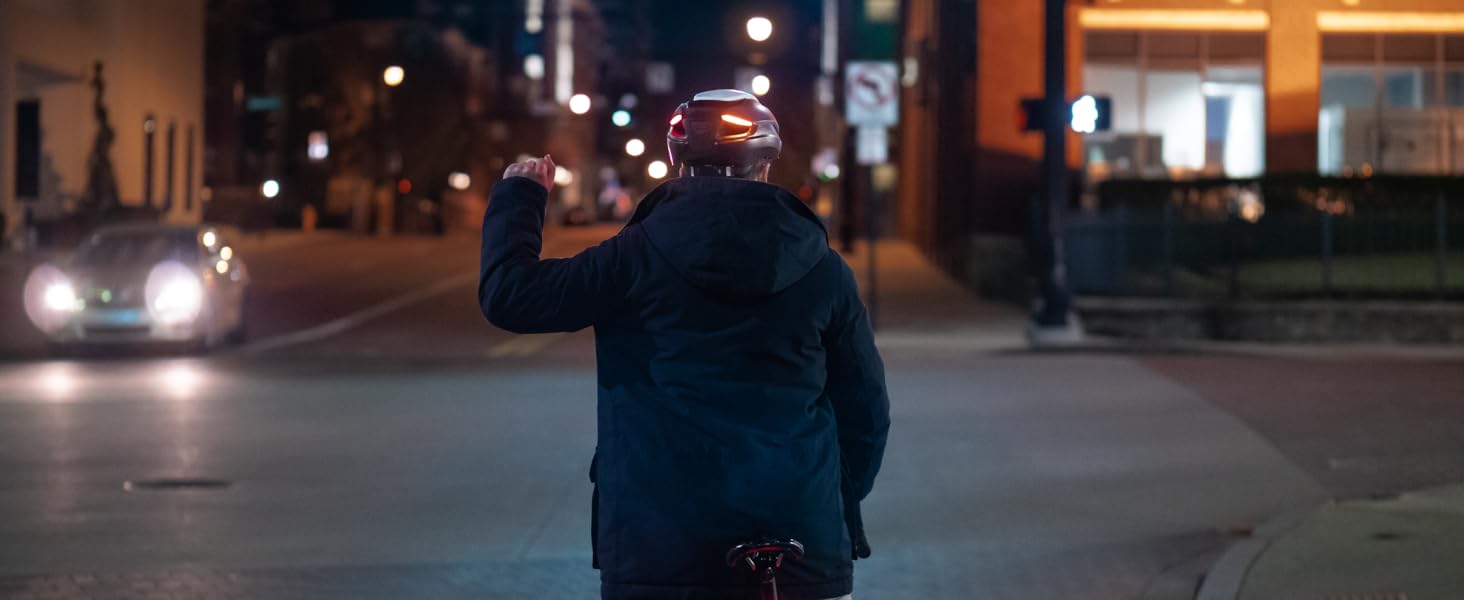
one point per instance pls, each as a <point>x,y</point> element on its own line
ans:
<point>358,318</point>
<point>524,345</point>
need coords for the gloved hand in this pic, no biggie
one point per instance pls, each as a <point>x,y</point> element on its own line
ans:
<point>855,522</point>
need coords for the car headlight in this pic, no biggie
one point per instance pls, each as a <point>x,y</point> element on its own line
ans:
<point>49,297</point>
<point>60,296</point>
<point>174,293</point>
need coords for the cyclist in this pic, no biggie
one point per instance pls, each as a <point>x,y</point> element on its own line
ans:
<point>740,392</point>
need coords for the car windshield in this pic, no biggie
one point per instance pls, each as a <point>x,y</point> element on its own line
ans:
<point>137,248</point>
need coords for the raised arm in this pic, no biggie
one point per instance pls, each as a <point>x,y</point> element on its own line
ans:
<point>521,293</point>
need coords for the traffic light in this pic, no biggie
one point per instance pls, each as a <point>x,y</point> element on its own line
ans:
<point>1029,116</point>
<point>1087,114</point>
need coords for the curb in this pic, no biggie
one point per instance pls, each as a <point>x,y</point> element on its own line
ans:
<point>1226,579</point>
<point>1115,345</point>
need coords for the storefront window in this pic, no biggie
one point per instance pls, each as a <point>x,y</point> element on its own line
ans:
<point>1454,86</point>
<point>1185,104</point>
<point>1355,86</point>
<point>1386,103</point>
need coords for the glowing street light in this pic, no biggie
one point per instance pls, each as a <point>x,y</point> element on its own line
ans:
<point>534,67</point>
<point>759,29</point>
<point>579,104</point>
<point>620,118</point>
<point>635,147</point>
<point>656,169</point>
<point>761,84</point>
<point>318,145</point>
<point>270,188</point>
<point>393,75</point>
<point>459,180</point>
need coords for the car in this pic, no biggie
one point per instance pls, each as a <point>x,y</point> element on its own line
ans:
<point>141,283</point>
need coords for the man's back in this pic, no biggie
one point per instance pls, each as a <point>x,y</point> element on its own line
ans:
<point>740,395</point>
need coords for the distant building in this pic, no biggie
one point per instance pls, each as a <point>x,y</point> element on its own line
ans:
<point>1203,88</point>
<point>152,52</point>
<point>298,93</point>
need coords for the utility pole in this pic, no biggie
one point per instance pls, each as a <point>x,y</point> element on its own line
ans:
<point>1053,322</point>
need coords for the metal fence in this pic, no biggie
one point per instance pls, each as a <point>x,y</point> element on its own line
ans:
<point>1272,237</point>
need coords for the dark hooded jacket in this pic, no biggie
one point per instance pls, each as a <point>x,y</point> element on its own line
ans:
<point>740,392</point>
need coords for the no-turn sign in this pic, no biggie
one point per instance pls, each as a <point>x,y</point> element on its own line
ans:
<point>872,94</point>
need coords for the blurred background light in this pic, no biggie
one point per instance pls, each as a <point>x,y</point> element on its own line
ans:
<point>459,181</point>
<point>759,29</point>
<point>319,145</point>
<point>579,104</point>
<point>534,66</point>
<point>393,75</point>
<point>761,85</point>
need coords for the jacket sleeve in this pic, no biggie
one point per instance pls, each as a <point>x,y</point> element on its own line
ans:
<point>521,293</point>
<point>856,386</point>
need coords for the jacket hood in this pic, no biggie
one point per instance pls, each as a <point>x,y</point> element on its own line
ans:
<point>735,237</point>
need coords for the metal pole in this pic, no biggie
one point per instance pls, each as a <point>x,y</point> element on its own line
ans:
<point>1327,252</point>
<point>1441,245</point>
<point>871,232</point>
<point>846,224</point>
<point>848,191</point>
<point>1232,254</point>
<point>1056,303</point>
<point>1169,248</point>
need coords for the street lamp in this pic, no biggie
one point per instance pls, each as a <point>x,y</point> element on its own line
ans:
<point>759,29</point>
<point>635,147</point>
<point>270,188</point>
<point>393,75</point>
<point>579,104</point>
<point>761,84</point>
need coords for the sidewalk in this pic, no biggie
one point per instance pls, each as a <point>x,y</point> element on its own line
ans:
<point>915,305</point>
<point>1404,548</point>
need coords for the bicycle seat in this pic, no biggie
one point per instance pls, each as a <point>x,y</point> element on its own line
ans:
<point>764,553</point>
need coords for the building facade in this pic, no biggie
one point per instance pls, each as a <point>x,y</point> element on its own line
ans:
<point>1200,88</point>
<point>151,53</point>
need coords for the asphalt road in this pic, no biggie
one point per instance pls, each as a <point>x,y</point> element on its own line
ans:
<point>375,438</point>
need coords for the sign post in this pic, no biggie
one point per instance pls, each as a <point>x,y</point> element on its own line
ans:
<point>872,105</point>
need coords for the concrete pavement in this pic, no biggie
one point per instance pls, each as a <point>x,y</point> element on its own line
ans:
<point>1403,548</point>
<point>422,453</point>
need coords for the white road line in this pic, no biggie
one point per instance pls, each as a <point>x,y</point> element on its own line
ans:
<point>358,318</point>
<point>524,345</point>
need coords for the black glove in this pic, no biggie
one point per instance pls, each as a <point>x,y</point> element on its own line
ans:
<point>854,520</point>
